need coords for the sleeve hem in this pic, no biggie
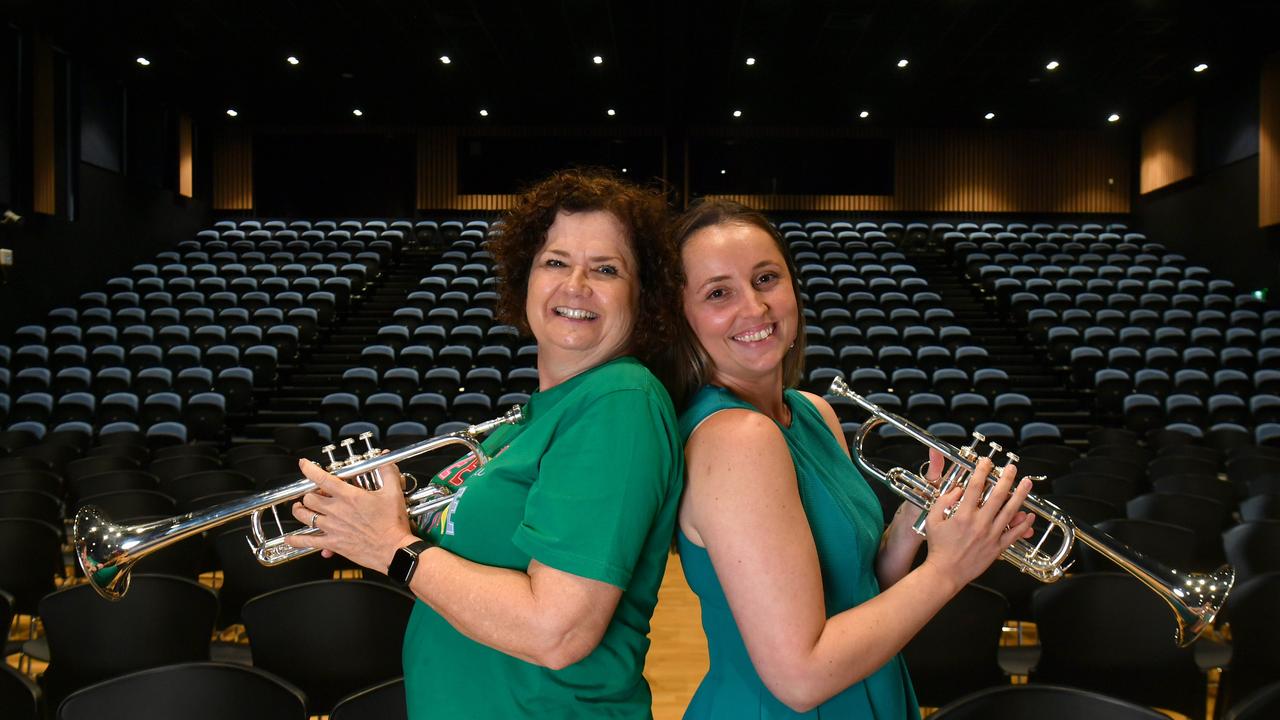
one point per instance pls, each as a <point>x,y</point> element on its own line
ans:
<point>590,568</point>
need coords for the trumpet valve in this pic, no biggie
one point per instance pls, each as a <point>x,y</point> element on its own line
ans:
<point>1013,457</point>
<point>367,437</point>
<point>347,445</point>
<point>993,448</point>
<point>328,450</point>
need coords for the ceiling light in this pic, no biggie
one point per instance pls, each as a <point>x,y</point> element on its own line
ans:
<point>722,172</point>
<point>143,61</point>
<point>751,61</point>
<point>990,116</point>
<point>611,112</point>
<point>1200,68</point>
<point>445,60</point>
<point>1113,117</point>
<point>903,62</point>
<point>864,114</point>
<point>737,113</point>
<point>1052,65</point>
<point>624,169</point>
<point>358,112</point>
<point>484,113</point>
<point>231,112</point>
<point>292,60</point>
<point>597,60</point>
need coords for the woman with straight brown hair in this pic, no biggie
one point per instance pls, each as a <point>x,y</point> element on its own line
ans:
<point>806,597</point>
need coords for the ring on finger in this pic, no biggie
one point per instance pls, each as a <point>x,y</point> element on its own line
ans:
<point>314,515</point>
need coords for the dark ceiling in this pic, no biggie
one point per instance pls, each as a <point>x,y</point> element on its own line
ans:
<point>667,63</point>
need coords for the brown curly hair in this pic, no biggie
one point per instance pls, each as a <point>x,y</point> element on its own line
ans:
<point>642,213</point>
<point>686,364</point>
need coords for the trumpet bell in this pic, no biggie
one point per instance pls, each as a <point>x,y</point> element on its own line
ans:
<point>102,550</point>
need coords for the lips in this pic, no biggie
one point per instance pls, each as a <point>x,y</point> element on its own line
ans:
<point>757,334</point>
<point>575,313</point>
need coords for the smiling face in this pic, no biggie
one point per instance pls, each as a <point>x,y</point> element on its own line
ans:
<point>739,302</point>
<point>582,294</point>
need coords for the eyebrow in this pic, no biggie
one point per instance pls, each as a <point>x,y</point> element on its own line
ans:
<point>719,278</point>
<point>594,258</point>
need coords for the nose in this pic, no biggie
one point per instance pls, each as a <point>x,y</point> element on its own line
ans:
<point>756,304</point>
<point>577,282</point>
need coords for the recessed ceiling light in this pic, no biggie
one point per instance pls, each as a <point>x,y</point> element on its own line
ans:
<point>143,61</point>
<point>903,62</point>
<point>1113,117</point>
<point>292,60</point>
<point>864,114</point>
<point>484,113</point>
<point>1052,65</point>
<point>751,61</point>
<point>358,112</point>
<point>722,172</point>
<point>737,113</point>
<point>445,60</point>
<point>990,116</point>
<point>624,169</point>
<point>611,112</point>
<point>597,60</point>
<point>1200,68</point>
<point>231,112</point>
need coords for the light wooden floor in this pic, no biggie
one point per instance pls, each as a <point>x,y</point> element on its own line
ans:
<point>678,655</point>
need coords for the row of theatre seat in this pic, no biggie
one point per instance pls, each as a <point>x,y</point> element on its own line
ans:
<point>929,377</point>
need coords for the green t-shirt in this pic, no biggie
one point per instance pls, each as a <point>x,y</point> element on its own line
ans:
<point>588,483</point>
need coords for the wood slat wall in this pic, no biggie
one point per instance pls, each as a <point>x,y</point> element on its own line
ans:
<point>44,170</point>
<point>438,162</point>
<point>185,162</point>
<point>233,171</point>
<point>1168,148</point>
<point>1269,144</point>
<point>935,171</point>
<point>1021,171</point>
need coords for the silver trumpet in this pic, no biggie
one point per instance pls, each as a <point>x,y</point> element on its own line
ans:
<point>1194,597</point>
<point>106,551</point>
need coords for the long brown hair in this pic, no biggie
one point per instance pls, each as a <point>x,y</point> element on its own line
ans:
<point>688,366</point>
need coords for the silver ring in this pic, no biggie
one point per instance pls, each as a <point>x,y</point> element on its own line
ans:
<point>314,515</point>
<point>947,512</point>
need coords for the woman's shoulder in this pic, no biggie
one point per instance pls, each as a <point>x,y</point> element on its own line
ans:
<point>732,426</point>
<point>624,373</point>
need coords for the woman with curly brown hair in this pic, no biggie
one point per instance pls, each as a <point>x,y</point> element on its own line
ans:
<point>536,585</point>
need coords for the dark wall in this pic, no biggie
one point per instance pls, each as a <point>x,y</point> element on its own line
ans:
<point>334,175</point>
<point>1213,220</point>
<point>121,222</point>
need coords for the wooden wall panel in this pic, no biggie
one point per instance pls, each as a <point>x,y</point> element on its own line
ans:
<point>935,171</point>
<point>44,170</point>
<point>1168,148</point>
<point>185,151</point>
<point>233,171</point>
<point>1269,145</point>
<point>1024,171</point>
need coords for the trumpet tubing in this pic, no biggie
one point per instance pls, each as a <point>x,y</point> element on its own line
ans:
<point>1195,598</point>
<point>106,551</point>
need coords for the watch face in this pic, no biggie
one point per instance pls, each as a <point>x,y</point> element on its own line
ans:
<point>404,562</point>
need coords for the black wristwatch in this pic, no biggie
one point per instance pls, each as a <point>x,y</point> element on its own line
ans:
<point>405,561</point>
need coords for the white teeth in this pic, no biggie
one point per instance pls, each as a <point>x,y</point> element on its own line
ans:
<point>756,336</point>
<point>576,313</point>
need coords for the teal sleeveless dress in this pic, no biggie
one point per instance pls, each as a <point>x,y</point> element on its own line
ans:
<point>845,518</point>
